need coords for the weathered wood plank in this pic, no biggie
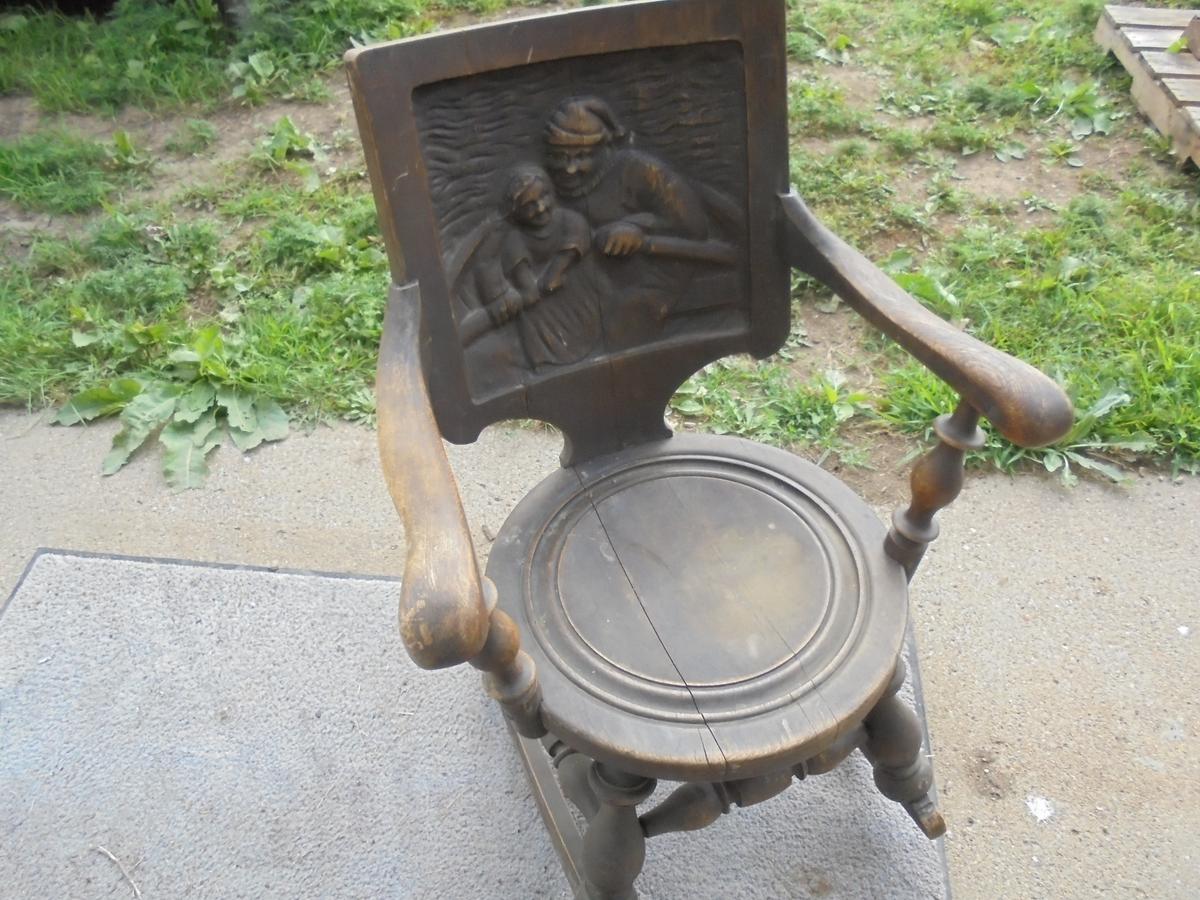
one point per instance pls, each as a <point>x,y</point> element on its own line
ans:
<point>1151,38</point>
<point>1113,39</point>
<point>1166,86</point>
<point>1136,16</point>
<point>1185,132</point>
<point>1189,117</point>
<point>1184,91</point>
<point>1108,35</point>
<point>1150,97</point>
<point>1164,65</point>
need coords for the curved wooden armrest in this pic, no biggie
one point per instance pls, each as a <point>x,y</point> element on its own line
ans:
<point>444,616</point>
<point>1025,406</point>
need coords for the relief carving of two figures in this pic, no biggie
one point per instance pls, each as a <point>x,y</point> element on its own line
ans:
<point>593,251</point>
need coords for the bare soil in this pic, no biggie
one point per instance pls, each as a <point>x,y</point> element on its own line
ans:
<point>240,129</point>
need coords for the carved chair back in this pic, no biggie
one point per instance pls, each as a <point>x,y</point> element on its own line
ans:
<point>587,228</point>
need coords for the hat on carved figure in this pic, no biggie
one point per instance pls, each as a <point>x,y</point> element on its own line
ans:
<point>583,122</point>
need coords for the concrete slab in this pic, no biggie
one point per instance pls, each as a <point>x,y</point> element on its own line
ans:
<point>1058,627</point>
<point>205,731</point>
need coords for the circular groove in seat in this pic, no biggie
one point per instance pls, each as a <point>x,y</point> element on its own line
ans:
<point>612,691</point>
<point>694,589</point>
<point>717,580</point>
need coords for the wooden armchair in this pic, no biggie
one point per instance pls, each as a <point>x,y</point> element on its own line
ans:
<point>581,210</point>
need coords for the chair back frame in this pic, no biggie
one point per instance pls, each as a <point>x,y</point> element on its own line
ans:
<point>461,128</point>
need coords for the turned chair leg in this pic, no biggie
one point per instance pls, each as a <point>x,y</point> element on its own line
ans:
<point>614,845</point>
<point>902,771</point>
<point>574,775</point>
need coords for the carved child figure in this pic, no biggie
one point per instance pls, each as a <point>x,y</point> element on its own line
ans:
<point>551,288</point>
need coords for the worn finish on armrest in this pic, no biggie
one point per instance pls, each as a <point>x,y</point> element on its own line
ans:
<point>444,618</point>
<point>1023,404</point>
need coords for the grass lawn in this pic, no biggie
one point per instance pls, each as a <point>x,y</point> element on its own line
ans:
<point>189,239</point>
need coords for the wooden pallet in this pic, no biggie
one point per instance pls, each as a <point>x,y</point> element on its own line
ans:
<point>1166,86</point>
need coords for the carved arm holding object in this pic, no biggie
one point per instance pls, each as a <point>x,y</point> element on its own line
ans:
<point>1023,404</point>
<point>448,613</point>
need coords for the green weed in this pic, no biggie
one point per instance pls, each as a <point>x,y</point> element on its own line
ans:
<point>57,172</point>
<point>163,53</point>
<point>289,315</point>
<point>190,412</point>
<point>763,401</point>
<point>192,138</point>
<point>123,155</point>
<point>287,147</point>
<point>1106,299</point>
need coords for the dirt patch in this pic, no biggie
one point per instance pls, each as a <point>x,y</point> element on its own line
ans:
<point>17,112</point>
<point>877,466</point>
<point>835,341</point>
<point>240,129</point>
<point>861,88</point>
<point>1038,178</point>
<point>878,470</point>
<point>990,777</point>
<point>19,227</point>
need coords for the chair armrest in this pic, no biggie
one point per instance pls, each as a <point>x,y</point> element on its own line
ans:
<point>444,616</point>
<point>1025,406</point>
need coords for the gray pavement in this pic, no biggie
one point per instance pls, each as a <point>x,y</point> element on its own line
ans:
<point>230,732</point>
<point>1057,628</point>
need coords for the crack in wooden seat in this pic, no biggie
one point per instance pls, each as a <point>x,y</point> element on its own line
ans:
<point>701,608</point>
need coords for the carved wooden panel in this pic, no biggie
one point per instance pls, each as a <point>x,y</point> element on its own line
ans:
<point>587,226</point>
<point>590,205</point>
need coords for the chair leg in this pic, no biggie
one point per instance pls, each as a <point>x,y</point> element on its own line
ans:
<point>573,770</point>
<point>614,845</point>
<point>902,771</point>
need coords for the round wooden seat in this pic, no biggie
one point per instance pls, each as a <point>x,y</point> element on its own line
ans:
<point>701,608</point>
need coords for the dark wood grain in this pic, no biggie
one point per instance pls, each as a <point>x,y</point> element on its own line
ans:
<point>614,845</point>
<point>448,614</point>
<point>936,481</point>
<point>704,132</point>
<point>651,656</point>
<point>581,210</point>
<point>902,770</point>
<point>443,616</point>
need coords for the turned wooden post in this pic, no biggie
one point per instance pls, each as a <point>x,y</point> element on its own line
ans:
<point>895,748</point>
<point>691,807</point>
<point>510,676</point>
<point>573,770</point>
<point>937,479</point>
<point>614,845</point>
